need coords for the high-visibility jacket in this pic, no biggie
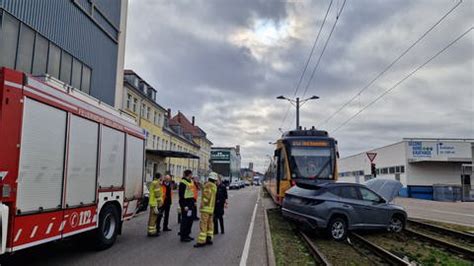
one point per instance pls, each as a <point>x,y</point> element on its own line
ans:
<point>208,200</point>
<point>195,191</point>
<point>189,192</point>
<point>164,191</point>
<point>156,197</point>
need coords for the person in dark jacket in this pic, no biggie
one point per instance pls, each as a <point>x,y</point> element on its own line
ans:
<point>186,203</point>
<point>164,212</point>
<point>221,203</point>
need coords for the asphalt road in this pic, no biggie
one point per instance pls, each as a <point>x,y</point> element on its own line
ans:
<point>133,247</point>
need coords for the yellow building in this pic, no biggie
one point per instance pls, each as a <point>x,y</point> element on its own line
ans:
<point>139,101</point>
<point>173,145</point>
<point>196,141</point>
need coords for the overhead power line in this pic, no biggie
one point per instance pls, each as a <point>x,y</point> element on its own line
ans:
<point>403,79</point>
<point>307,61</point>
<point>324,48</point>
<point>388,67</point>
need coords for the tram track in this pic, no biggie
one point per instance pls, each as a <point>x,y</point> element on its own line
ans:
<point>358,245</point>
<point>453,248</point>
<point>461,238</point>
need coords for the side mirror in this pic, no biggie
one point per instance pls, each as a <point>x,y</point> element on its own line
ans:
<point>381,201</point>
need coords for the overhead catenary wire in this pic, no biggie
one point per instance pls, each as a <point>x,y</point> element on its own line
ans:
<point>389,66</point>
<point>307,61</point>
<point>403,79</point>
<point>324,48</point>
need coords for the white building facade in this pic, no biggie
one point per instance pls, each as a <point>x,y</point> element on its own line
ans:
<point>417,163</point>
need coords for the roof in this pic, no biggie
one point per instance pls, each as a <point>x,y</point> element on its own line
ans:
<point>172,154</point>
<point>182,137</point>
<point>186,125</point>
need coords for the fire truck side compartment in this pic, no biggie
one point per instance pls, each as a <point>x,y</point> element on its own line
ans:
<point>43,139</point>
<point>82,161</point>
<point>111,158</point>
<point>134,168</point>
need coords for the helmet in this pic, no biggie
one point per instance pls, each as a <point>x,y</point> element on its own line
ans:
<point>212,176</point>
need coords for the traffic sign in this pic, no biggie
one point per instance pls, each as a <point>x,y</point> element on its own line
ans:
<point>371,156</point>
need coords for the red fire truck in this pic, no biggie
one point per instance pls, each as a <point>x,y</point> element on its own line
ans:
<point>69,164</point>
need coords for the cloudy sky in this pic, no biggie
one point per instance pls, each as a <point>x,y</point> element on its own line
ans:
<point>226,61</point>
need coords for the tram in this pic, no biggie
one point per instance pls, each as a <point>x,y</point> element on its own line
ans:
<point>301,156</point>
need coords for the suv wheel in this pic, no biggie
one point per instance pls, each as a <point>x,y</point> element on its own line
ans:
<point>396,224</point>
<point>337,229</point>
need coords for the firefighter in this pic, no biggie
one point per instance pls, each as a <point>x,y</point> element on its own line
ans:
<point>186,202</point>
<point>208,202</point>
<point>166,188</point>
<point>155,202</point>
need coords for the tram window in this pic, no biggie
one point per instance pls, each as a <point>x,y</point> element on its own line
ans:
<point>282,165</point>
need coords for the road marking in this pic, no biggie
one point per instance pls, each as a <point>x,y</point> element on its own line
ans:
<point>245,252</point>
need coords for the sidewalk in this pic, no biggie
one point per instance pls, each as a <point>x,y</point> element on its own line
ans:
<point>450,212</point>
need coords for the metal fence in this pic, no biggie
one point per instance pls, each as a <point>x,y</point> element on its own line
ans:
<point>442,192</point>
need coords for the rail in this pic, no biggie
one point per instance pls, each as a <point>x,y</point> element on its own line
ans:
<point>465,236</point>
<point>315,252</point>
<point>442,243</point>
<point>381,252</point>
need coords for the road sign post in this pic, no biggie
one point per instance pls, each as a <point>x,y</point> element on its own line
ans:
<point>373,168</point>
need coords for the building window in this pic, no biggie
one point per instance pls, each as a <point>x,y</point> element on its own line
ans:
<point>8,40</point>
<point>385,170</point>
<point>54,59</point>
<point>86,79</point>
<point>135,104</point>
<point>391,170</point>
<point>157,142</point>
<point>26,42</point>
<point>397,169</point>
<point>129,101</point>
<point>144,113</point>
<point>155,117</point>
<point>76,73</point>
<point>66,64</point>
<point>153,142</point>
<point>148,113</point>
<point>40,57</point>
<point>135,82</point>
<point>402,169</point>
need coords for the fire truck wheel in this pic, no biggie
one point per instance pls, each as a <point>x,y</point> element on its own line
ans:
<point>108,227</point>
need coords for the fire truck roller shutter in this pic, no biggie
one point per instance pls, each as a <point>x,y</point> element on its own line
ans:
<point>41,158</point>
<point>82,161</point>
<point>111,158</point>
<point>134,166</point>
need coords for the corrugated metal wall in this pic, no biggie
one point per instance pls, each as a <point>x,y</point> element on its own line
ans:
<point>62,22</point>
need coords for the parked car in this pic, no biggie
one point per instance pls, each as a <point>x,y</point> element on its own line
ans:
<point>234,185</point>
<point>242,183</point>
<point>247,183</point>
<point>341,207</point>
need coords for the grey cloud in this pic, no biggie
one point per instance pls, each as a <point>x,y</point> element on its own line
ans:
<point>183,48</point>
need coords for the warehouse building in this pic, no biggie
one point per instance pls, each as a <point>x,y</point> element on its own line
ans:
<point>80,42</point>
<point>423,166</point>
<point>226,161</point>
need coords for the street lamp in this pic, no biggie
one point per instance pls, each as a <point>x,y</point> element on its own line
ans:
<point>298,103</point>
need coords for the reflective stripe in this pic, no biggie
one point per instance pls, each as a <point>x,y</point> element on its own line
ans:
<point>189,192</point>
<point>155,194</point>
<point>208,200</point>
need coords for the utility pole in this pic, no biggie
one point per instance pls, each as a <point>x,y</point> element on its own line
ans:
<point>297,113</point>
<point>297,103</point>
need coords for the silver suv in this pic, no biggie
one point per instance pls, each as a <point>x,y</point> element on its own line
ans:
<point>339,207</point>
